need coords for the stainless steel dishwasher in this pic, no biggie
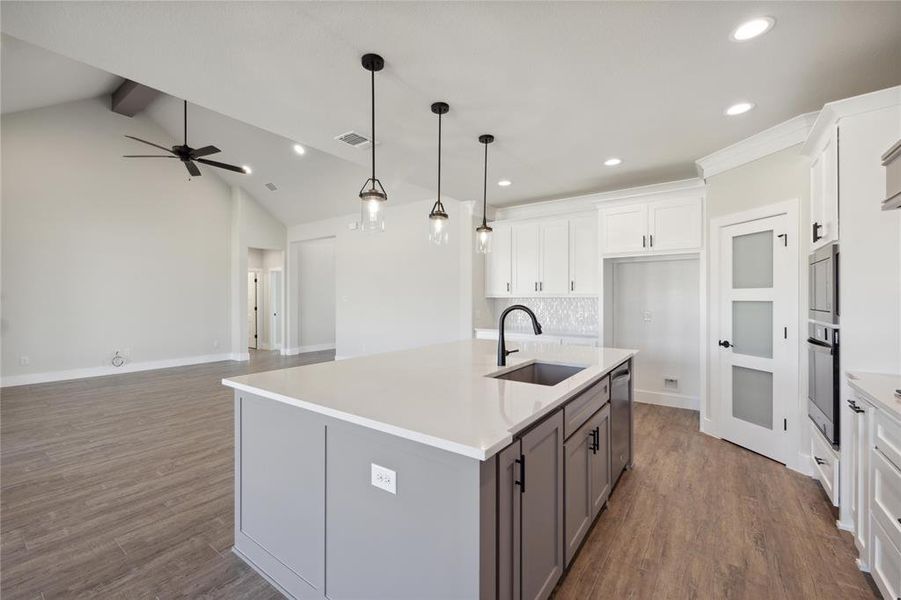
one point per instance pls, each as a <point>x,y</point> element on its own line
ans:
<point>620,420</point>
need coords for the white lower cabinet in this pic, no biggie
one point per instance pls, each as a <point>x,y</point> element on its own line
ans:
<point>886,567</point>
<point>861,424</point>
<point>825,463</point>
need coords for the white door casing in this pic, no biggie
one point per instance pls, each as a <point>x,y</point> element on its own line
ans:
<point>755,284</point>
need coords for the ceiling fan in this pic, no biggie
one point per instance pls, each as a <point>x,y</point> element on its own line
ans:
<point>186,154</point>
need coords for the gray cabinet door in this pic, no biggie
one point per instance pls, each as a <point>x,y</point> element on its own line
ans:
<point>542,508</point>
<point>600,461</point>
<point>578,497</point>
<point>509,499</point>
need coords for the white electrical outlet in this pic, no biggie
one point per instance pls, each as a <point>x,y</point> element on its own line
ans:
<point>23,361</point>
<point>384,478</point>
<point>647,315</point>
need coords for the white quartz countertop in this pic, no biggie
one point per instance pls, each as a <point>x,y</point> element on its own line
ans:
<point>437,395</point>
<point>879,389</point>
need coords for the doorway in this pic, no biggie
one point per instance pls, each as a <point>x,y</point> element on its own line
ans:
<point>754,328</point>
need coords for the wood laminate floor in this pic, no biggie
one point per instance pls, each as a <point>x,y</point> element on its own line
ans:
<point>121,487</point>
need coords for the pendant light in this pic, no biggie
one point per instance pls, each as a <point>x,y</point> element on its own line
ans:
<point>372,194</point>
<point>438,216</point>
<point>483,231</point>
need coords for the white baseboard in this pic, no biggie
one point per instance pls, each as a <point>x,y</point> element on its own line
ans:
<point>47,376</point>
<point>665,399</point>
<point>310,348</point>
<point>242,356</point>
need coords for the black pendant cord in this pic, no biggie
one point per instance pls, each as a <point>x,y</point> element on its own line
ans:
<point>186,122</point>
<point>485,191</point>
<point>372,74</point>
<point>441,206</point>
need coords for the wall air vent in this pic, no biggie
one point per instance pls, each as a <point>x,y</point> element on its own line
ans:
<point>271,186</point>
<point>352,138</point>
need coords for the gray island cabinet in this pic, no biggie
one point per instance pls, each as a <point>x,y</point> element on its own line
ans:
<point>487,498</point>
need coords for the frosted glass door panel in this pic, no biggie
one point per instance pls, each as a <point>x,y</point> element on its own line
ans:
<point>752,260</point>
<point>752,328</point>
<point>752,396</point>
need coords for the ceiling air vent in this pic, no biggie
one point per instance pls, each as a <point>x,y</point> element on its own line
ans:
<point>271,186</point>
<point>352,138</point>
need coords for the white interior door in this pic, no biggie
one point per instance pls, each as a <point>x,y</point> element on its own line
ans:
<point>757,337</point>
<point>252,310</point>
<point>275,310</point>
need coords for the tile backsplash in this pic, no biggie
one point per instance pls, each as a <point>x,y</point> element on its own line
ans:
<point>577,316</point>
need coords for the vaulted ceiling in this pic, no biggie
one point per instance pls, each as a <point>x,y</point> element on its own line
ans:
<point>562,85</point>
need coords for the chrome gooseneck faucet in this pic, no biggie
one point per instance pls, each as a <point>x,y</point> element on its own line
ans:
<point>502,351</point>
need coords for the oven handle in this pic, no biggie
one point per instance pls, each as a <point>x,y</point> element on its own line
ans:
<point>816,342</point>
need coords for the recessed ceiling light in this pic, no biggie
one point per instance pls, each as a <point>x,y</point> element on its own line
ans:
<point>738,109</point>
<point>504,182</point>
<point>247,169</point>
<point>751,29</point>
<point>612,162</point>
<point>299,149</point>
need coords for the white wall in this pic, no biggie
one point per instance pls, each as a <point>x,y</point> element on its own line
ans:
<point>313,274</point>
<point>102,253</point>
<point>667,293</point>
<point>394,289</point>
<point>781,176</point>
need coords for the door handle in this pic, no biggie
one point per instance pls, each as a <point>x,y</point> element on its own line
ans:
<point>816,231</point>
<point>725,343</point>
<point>819,460</point>
<point>521,461</point>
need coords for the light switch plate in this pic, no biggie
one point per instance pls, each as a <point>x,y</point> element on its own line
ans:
<point>384,478</point>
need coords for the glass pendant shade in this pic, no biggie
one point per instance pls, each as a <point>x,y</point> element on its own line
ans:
<point>483,239</point>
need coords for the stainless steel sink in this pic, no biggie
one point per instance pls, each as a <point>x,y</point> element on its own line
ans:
<point>540,373</point>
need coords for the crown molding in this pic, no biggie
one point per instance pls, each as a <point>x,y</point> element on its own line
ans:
<point>590,202</point>
<point>779,137</point>
<point>833,112</point>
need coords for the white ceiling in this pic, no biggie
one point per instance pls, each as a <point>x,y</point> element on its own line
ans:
<point>33,77</point>
<point>563,86</point>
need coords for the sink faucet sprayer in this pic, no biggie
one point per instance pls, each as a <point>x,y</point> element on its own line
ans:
<point>502,351</point>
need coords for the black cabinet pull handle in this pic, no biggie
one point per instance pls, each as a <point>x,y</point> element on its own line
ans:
<point>651,237</point>
<point>819,460</point>
<point>522,473</point>
<point>816,231</point>
<point>595,441</point>
<point>644,241</point>
<point>572,286</point>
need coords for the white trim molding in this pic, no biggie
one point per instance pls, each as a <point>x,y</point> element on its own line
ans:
<point>310,348</point>
<point>667,399</point>
<point>835,111</point>
<point>590,202</point>
<point>776,138</point>
<point>82,373</point>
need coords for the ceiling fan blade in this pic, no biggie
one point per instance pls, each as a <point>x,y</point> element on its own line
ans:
<point>192,168</point>
<point>213,163</point>
<point>205,151</point>
<point>149,143</point>
<point>146,156</point>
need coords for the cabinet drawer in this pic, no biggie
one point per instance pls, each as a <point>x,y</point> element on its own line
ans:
<point>584,405</point>
<point>886,562</point>
<point>825,464</point>
<point>886,500</point>
<point>887,437</point>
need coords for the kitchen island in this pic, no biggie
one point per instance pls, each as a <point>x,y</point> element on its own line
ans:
<point>427,473</point>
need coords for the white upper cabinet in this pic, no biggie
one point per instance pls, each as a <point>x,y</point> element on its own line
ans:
<point>674,225</point>
<point>526,258</point>
<point>625,229</point>
<point>583,255</point>
<point>499,267</point>
<point>661,226</point>
<point>824,194</point>
<point>554,253</point>
<point>554,257</point>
